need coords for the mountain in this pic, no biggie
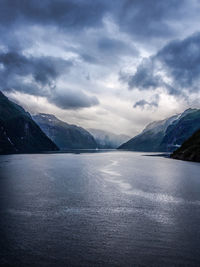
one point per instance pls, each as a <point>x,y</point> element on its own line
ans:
<point>106,139</point>
<point>190,149</point>
<point>151,136</point>
<point>65,136</point>
<point>18,132</point>
<point>166,135</point>
<point>179,131</point>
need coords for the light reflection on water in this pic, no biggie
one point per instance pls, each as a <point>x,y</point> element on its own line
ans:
<point>113,209</point>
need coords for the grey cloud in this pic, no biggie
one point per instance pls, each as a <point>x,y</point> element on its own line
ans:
<point>89,58</point>
<point>106,45</point>
<point>182,60</point>
<point>37,76</point>
<point>44,70</point>
<point>141,18</point>
<point>19,71</point>
<point>64,13</point>
<point>149,19</point>
<point>142,103</point>
<point>11,41</point>
<point>147,104</point>
<point>70,99</point>
<point>178,61</point>
<point>145,77</point>
<point>104,50</point>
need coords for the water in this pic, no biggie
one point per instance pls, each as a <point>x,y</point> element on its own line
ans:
<point>99,209</point>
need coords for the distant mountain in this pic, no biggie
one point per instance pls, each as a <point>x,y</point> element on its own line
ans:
<point>65,136</point>
<point>18,132</point>
<point>151,136</point>
<point>190,149</point>
<point>166,135</point>
<point>106,139</point>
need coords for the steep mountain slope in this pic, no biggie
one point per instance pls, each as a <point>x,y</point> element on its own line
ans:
<point>65,136</point>
<point>180,130</point>
<point>166,135</point>
<point>106,139</point>
<point>190,149</point>
<point>18,132</point>
<point>151,136</point>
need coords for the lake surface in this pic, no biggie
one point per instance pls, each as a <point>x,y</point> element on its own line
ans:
<point>99,209</point>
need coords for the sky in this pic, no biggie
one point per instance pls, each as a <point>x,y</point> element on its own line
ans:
<point>114,65</point>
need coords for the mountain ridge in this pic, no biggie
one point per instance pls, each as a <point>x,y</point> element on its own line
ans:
<point>18,132</point>
<point>165,135</point>
<point>65,135</point>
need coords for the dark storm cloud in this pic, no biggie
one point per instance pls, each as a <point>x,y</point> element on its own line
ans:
<point>142,18</point>
<point>37,76</point>
<point>182,60</point>
<point>26,26</point>
<point>148,19</point>
<point>43,71</point>
<point>64,13</point>
<point>73,100</point>
<point>178,61</point>
<point>145,77</point>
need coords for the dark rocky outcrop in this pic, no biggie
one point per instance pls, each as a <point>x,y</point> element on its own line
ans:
<point>190,149</point>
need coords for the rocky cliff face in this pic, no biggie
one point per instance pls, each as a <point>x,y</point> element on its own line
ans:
<point>18,132</point>
<point>65,136</point>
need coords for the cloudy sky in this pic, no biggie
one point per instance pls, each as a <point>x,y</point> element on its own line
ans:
<point>108,64</point>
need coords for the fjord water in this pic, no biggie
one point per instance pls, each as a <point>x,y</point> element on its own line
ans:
<point>99,209</point>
